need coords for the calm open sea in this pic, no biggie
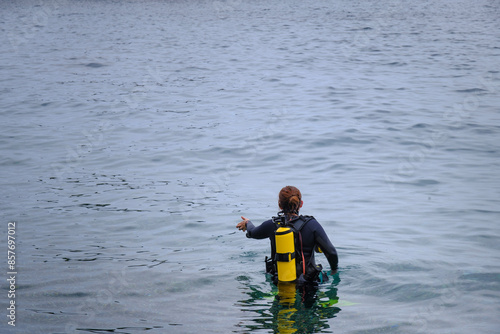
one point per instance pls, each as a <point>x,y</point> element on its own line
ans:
<point>134,134</point>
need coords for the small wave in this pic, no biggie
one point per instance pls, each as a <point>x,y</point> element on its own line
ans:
<point>425,182</point>
<point>412,292</point>
<point>420,183</point>
<point>94,65</point>
<point>419,126</point>
<point>486,211</point>
<point>339,141</point>
<point>485,131</point>
<point>397,63</point>
<point>481,281</point>
<point>383,285</point>
<point>482,277</point>
<point>69,294</point>
<point>410,143</point>
<point>174,111</point>
<point>120,329</point>
<point>471,90</point>
<point>399,267</point>
<point>53,312</point>
<point>90,205</point>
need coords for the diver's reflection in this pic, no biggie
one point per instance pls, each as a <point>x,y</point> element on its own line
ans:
<point>294,309</point>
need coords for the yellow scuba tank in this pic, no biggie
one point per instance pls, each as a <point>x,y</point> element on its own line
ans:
<point>285,254</point>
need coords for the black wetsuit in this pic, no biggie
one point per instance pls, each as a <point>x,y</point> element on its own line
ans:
<point>312,234</point>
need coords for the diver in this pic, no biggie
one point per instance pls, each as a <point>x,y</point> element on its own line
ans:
<point>308,237</point>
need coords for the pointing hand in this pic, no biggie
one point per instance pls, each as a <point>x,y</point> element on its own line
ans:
<point>242,226</point>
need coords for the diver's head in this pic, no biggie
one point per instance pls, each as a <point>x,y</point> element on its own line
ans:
<point>290,200</point>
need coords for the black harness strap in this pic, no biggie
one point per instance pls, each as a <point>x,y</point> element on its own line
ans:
<point>302,253</point>
<point>285,257</point>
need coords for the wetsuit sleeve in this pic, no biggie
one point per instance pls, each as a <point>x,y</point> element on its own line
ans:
<point>264,230</point>
<point>326,246</point>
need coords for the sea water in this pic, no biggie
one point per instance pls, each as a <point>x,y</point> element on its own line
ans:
<point>136,133</point>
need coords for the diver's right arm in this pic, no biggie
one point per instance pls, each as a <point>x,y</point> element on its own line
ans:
<point>264,230</point>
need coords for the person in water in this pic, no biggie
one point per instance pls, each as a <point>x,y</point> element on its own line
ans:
<point>312,235</point>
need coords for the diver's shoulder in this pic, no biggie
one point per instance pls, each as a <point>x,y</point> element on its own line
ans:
<point>311,221</point>
<point>307,218</point>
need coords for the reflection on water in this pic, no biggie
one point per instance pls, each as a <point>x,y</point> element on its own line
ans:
<point>287,308</point>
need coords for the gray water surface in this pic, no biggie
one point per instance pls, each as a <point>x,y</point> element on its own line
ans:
<point>136,133</point>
